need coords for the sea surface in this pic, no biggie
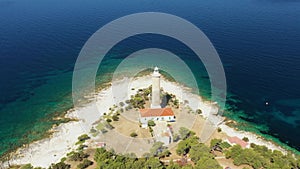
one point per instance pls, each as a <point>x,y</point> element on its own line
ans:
<point>258,43</point>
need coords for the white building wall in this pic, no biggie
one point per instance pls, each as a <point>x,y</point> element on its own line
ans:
<point>144,120</point>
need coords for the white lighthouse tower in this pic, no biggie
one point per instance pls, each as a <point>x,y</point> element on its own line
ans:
<point>155,102</point>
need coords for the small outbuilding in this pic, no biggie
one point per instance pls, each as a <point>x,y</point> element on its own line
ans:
<point>236,140</point>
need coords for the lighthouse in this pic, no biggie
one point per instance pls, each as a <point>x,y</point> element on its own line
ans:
<point>155,102</point>
<point>155,112</point>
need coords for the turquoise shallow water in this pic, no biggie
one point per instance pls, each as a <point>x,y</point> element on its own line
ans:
<point>258,42</point>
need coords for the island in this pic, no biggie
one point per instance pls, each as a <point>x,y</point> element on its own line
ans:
<point>156,127</point>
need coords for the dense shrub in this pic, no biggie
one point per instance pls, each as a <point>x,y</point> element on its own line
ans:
<point>157,148</point>
<point>108,159</point>
<point>27,166</point>
<point>85,164</point>
<point>185,133</point>
<point>60,165</point>
<point>176,137</point>
<point>81,147</point>
<point>214,142</point>
<point>83,137</point>
<point>260,157</point>
<point>78,156</point>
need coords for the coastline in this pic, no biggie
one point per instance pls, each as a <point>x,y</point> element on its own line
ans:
<point>50,150</point>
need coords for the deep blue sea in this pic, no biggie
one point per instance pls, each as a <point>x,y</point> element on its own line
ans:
<point>258,43</point>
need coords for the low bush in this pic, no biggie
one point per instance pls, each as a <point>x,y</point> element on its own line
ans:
<point>151,123</point>
<point>60,165</point>
<point>78,156</point>
<point>133,134</point>
<point>115,118</point>
<point>246,139</point>
<point>85,164</point>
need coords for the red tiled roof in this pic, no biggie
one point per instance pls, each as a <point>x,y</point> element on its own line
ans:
<point>156,112</point>
<point>238,141</point>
